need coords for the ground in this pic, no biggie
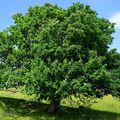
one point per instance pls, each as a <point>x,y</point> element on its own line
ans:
<point>17,106</point>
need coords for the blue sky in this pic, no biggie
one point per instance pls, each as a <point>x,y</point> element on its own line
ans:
<point>109,9</point>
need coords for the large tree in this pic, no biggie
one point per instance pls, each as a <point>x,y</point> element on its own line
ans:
<point>55,52</point>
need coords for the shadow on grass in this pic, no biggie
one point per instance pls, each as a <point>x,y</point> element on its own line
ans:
<point>28,110</point>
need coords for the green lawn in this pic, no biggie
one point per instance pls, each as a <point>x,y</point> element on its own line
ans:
<point>16,106</point>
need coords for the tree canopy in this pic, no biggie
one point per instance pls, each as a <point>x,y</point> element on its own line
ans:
<point>55,52</point>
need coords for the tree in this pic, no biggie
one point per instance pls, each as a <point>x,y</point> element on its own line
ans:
<point>55,52</point>
<point>113,65</point>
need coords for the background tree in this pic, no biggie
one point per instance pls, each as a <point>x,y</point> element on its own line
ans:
<point>55,53</point>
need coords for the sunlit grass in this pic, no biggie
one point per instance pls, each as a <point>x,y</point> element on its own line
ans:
<point>107,103</point>
<point>15,106</point>
<point>12,94</point>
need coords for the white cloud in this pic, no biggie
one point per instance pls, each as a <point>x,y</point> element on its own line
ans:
<point>116,19</point>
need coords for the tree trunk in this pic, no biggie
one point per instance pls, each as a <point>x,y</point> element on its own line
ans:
<point>54,106</point>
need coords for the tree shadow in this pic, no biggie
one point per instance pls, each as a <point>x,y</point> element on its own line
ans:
<point>16,108</point>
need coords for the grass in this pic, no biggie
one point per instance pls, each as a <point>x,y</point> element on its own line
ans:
<point>107,103</point>
<point>16,106</point>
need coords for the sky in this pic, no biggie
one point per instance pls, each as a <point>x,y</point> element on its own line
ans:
<point>109,9</point>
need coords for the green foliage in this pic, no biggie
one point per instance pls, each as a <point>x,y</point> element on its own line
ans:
<point>113,65</point>
<point>55,53</point>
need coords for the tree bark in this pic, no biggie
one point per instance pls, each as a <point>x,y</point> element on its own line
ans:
<point>54,106</point>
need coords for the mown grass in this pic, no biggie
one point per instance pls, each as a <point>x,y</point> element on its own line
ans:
<point>16,106</point>
<point>107,103</point>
